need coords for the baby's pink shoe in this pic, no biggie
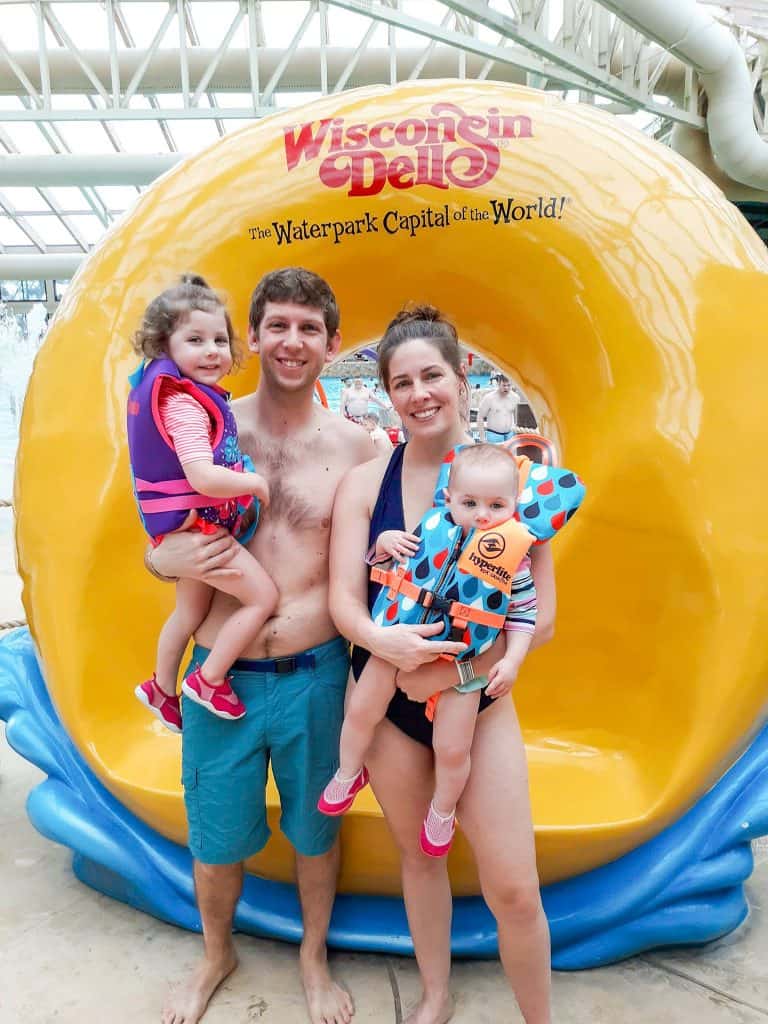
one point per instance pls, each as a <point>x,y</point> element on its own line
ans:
<point>437,832</point>
<point>166,708</point>
<point>339,795</point>
<point>220,699</point>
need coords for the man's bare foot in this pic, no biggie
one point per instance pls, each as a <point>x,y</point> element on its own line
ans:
<point>327,1002</point>
<point>430,1012</point>
<point>187,1003</point>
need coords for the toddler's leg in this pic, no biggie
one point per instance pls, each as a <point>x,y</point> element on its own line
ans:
<point>258,596</point>
<point>454,728</point>
<point>158,693</point>
<point>193,599</point>
<point>366,708</point>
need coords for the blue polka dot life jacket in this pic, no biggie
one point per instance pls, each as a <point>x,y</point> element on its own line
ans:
<point>465,582</point>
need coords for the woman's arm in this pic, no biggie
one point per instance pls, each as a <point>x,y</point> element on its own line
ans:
<point>543,570</point>
<point>406,647</point>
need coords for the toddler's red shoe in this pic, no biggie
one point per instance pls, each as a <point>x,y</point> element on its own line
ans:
<point>437,832</point>
<point>339,795</point>
<point>219,698</point>
<point>166,708</point>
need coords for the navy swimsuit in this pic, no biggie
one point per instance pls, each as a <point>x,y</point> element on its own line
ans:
<point>407,715</point>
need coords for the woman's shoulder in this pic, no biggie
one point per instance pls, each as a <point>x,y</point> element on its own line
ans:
<point>365,479</point>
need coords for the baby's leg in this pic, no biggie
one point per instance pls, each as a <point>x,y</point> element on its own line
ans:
<point>367,706</point>
<point>193,599</point>
<point>454,728</point>
<point>257,594</point>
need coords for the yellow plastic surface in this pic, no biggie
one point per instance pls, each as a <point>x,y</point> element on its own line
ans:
<point>628,300</point>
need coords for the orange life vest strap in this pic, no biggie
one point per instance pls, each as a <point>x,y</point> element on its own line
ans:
<point>459,614</point>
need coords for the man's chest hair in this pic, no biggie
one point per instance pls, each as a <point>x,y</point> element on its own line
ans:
<point>300,477</point>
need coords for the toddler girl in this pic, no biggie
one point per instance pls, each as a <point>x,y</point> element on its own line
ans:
<point>189,474</point>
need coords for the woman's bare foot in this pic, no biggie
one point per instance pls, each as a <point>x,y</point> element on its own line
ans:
<point>187,1003</point>
<point>327,1002</point>
<point>431,1012</point>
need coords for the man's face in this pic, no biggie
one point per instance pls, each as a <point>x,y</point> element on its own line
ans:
<point>503,386</point>
<point>293,344</point>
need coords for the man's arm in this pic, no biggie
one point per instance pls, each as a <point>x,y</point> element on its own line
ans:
<point>482,412</point>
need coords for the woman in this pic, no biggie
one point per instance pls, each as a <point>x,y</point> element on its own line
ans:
<point>420,367</point>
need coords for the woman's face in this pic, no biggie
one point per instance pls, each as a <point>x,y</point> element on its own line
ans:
<point>423,388</point>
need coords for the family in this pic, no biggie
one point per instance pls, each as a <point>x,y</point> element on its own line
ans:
<point>276,608</point>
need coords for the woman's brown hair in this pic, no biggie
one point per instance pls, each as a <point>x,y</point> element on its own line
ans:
<point>428,324</point>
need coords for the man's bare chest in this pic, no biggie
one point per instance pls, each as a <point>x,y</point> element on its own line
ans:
<point>302,481</point>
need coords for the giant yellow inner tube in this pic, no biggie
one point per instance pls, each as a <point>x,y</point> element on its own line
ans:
<point>611,278</point>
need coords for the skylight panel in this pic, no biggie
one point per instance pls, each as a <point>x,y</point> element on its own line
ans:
<point>52,231</point>
<point>117,198</point>
<point>84,23</point>
<point>143,21</point>
<point>191,136</point>
<point>211,20</point>
<point>26,137</point>
<point>11,234</point>
<point>18,27</point>
<point>141,136</point>
<point>88,226</point>
<point>68,198</point>
<point>282,21</point>
<point>85,137</point>
<point>24,198</point>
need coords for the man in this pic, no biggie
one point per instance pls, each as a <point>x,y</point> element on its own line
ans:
<point>356,399</point>
<point>294,685</point>
<point>497,415</point>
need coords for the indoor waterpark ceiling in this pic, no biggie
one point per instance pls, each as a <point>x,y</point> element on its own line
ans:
<point>99,97</point>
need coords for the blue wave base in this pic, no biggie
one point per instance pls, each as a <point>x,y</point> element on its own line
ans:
<point>684,886</point>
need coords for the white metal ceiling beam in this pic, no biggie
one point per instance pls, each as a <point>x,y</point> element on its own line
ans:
<point>97,169</point>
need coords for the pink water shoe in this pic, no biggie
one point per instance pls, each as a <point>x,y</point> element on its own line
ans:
<point>339,795</point>
<point>166,708</point>
<point>219,698</point>
<point>437,832</point>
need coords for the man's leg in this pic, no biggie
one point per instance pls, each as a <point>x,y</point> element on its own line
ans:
<point>304,744</point>
<point>217,887</point>
<point>316,879</point>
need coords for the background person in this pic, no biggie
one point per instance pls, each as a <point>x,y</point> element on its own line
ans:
<point>356,400</point>
<point>420,366</point>
<point>497,414</point>
<point>381,440</point>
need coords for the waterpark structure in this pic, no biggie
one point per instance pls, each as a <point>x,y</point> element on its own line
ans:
<point>618,284</point>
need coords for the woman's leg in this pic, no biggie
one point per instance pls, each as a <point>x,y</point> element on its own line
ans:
<point>258,596</point>
<point>402,779</point>
<point>454,727</point>
<point>366,707</point>
<point>193,599</point>
<point>495,814</point>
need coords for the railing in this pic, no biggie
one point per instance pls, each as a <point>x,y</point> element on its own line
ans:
<point>10,623</point>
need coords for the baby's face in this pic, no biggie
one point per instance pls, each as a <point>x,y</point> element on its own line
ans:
<point>481,499</point>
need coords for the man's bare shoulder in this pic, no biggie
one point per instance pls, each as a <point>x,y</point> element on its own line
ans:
<point>346,436</point>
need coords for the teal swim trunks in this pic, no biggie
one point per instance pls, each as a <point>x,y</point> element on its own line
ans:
<point>295,707</point>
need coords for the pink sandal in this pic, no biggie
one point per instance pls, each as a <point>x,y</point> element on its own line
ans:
<point>437,833</point>
<point>339,795</point>
<point>166,708</point>
<point>219,698</point>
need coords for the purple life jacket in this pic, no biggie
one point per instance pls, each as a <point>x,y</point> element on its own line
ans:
<point>163,493</point>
